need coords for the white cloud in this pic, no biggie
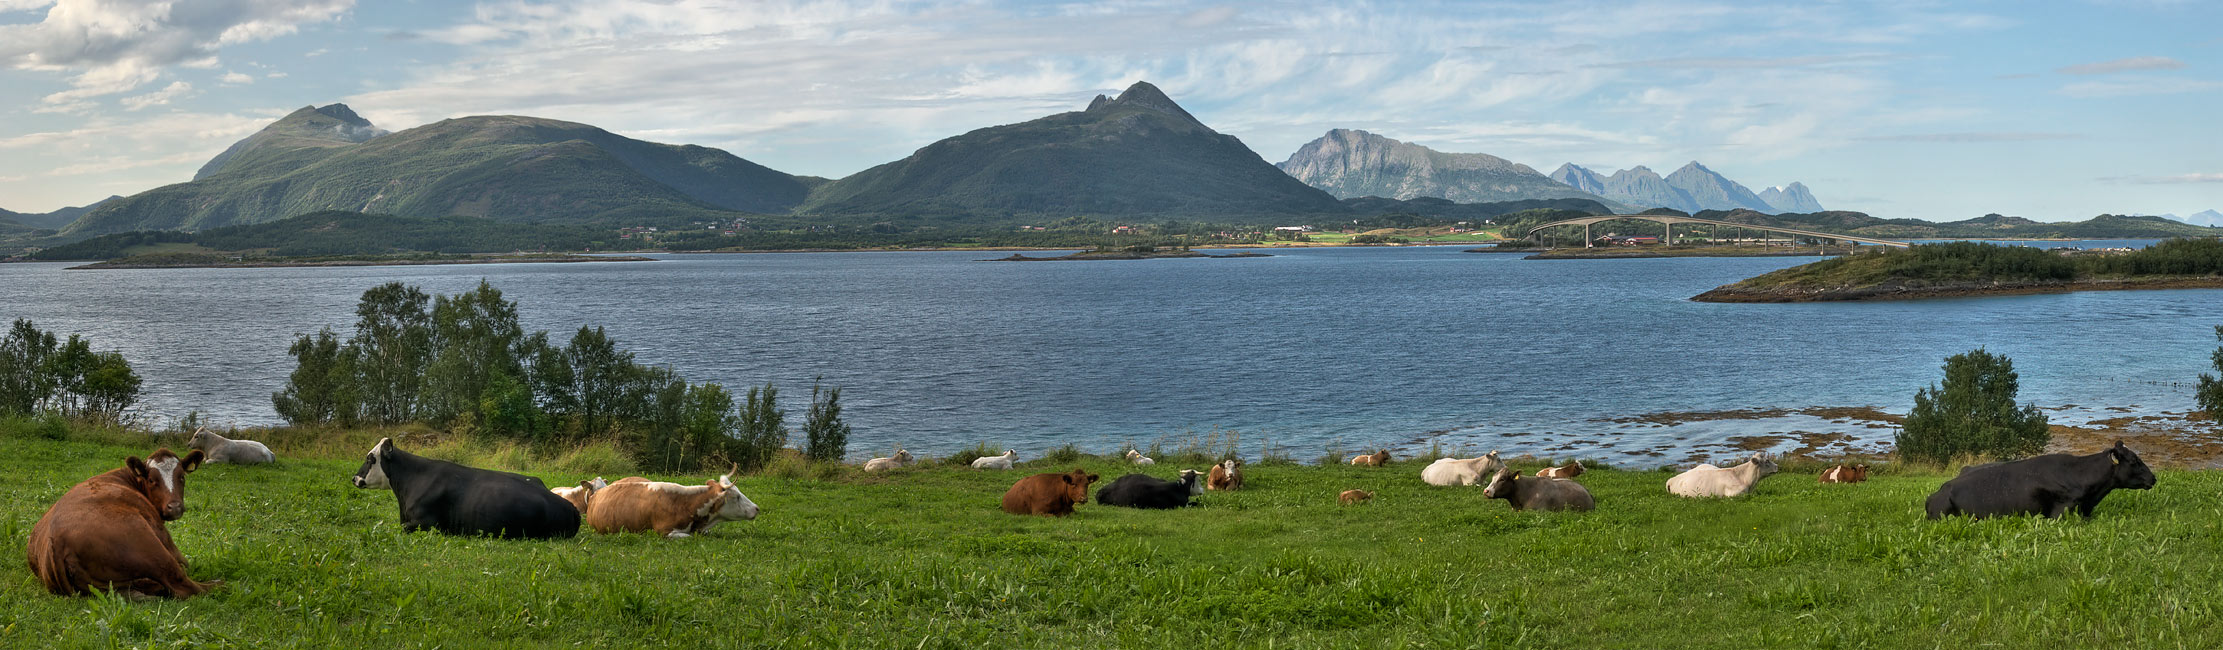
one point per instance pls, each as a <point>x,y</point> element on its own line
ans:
<point>169,93</point>
<point>2167,180</point>
<point>114,46</point>
<point>236,79</point>
<point>2124,65</point>
<point>1967,137</point>
<point>2138,86</point>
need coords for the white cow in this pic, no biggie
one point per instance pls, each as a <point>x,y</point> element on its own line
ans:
<point>1462,471</point>
<point>1137,458</point>
<point>901,458</point>
<point>1711,481</point>
<point>996,462</point>
<point>222,450</point>
<point>578,496</point>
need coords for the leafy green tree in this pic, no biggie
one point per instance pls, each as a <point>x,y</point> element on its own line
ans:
<point>825,435</point>
<point>761,430</point>
<point>107,387</point>
<point>475,336</point>
<point>2210,393</point>
<point>601,374</point>
<point>24,382</point>
<point>1974,413</point>
<point>40,374</point>
<point>316,393</point>
<point>393,345</point>
<point>706,426</point>
<point>506,410</point>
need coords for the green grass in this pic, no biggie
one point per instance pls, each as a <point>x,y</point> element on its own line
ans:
<point>923,558</point>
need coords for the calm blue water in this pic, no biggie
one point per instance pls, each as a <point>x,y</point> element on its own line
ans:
<point>1347,347</point>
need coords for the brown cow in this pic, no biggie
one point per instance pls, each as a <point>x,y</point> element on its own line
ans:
<point>1355,496</point>
<point>1569,470</point>
<point>1048,494</point>
<point>108,533</point>
<point>1376,459</point>
<point>1228,475</point>
<point>1845,474</point>
<point>635,504</point>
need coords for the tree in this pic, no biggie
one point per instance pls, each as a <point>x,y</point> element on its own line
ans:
<point>393,341</point>
<point>24,382</point>
<point>1974,413</point>
<point>600,375</point>
<point>762,429</point>
<point>474,337</point>
<point>2210,393</point>
<point>825,435</point>
<point>316,392</point>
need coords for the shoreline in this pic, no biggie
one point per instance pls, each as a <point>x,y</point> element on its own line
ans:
<point>102,266</point>
<point>1733,294</point>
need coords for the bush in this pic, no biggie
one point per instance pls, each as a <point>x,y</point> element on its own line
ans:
<point>39,373</point>
<point>825,435</point>
<point>1973,414</point>
<point>762,429</point>
<point>2210,393</point>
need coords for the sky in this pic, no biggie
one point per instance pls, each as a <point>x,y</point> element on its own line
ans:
<point>1934,110</point>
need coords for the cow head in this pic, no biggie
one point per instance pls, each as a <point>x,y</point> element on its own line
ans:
<point>902,456</point>
<point>2127,469</point>
<point>201,439</point>
<point>1491,463</point>
<point>1764,463</point>
<point>735,506</point>
<point>1230,465</point>
<point>1501,485</point>
<point>1076,484</point>
<point>1011,454</point>
<point>372,475</point>
<point>1189,478</point>
<point>162,478</point>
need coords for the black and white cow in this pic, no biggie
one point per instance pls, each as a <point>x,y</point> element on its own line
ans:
<point>1141,491</point>
<point>460,500</point>
<point>2046,485</point>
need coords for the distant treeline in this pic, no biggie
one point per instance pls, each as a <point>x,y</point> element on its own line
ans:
<point>1973,261</point>
<point>353,233</point>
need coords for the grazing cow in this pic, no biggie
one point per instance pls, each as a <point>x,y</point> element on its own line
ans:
<point>1538,493</point>
<point>1462,471</point>
<point>1136,457</point>
<point>1845,474</point>
<point>2046,485</point>
<point>1141,491</point>
<point>635,504</point>
<point>1228,475</point>
<point>459,500</point>
<point>901,458</point>
<point>578,496</point>
<point>1376,459</point>
<point>1711,481</point>
<point>107,532</point>
<point>1569,470</point>
<point>222,450</point>
<point>1355,496</point>
<point>996,462</point>
<point>1048,494</point>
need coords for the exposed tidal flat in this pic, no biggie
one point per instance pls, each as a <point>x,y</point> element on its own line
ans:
<point>1312,350</point>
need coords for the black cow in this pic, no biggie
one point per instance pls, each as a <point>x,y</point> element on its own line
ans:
<point>2045,485</point>
<point>1141,491</point>
<point>460,500</point>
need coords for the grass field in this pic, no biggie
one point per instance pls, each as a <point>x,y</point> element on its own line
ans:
<point>922,558</point>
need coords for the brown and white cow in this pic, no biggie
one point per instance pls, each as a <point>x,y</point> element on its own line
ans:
<point>578,496</point>
<point>1845,474</point>
<point>1569,470</point>
<point>1376,459</point>
<point>1355,496</point>
<point>1048,494</point>
<point>635,504</point>
<point>1228,475</point>
<point>107,532</point>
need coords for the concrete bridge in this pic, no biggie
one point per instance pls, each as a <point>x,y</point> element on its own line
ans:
<point>1670,220</point>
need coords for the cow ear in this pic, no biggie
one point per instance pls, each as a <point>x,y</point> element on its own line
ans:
<point>384,446</point>
<point>138,467</point>
<point>1092,478</point>
<point>192,461</point>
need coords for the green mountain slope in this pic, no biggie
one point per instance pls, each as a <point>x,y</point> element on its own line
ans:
<point>1137,155</point>
<point>506,168</point>
<point>348,233</point>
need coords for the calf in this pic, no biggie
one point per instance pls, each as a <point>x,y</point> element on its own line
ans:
<point>1462,471</point>
<point>222,450</point>
<point>2046,485</point>
<point>1711,481</point>
<point>1538,493</point>
<point>901,458</point>
<point>1228,475</point>
<point>1048,494</point>
<point>1845,474</point>
<point>458,500</point>
<point>635,504</point>
<point>997,462</point>
<point>1355,496</point>
<point>1142,491</point>
<point>1136,457</point>
<point>1569,470</point>
<point>1376,459</point>
<point>577,496</point>
<point>108,532</point>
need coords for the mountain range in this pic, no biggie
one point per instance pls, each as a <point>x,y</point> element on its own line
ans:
<point>2201,218</point>
<point>1351,164</point>
<point>50,220</point>
<point>1693,188</point>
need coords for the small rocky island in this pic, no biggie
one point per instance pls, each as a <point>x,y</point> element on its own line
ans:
<point>1967,269</point>
<point>1126,254</point>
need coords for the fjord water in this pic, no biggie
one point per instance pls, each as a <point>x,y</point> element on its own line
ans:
<point>1312,348</point>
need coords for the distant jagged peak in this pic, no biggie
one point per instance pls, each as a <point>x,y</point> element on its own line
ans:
<point>342,113</point>
<point>333,122</point>
<point>1142,95</point>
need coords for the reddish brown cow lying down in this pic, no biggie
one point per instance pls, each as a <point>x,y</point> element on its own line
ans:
<point>1845,474</point>
<point>107,532</point>
<point>1048,494</point>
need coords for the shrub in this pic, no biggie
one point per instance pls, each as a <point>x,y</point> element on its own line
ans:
<point>1973,414</point>
<point>2210,393</point>
<point>762,428</point>
<point>825,435</point>
<point>1063,455</point>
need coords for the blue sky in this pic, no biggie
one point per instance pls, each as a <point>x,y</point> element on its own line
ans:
<point>1934,110</point>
